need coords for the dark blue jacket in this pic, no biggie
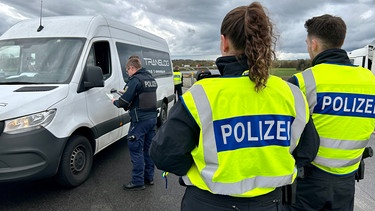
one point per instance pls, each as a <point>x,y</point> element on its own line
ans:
<point>139,96</point>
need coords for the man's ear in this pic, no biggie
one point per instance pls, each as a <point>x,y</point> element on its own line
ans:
<point>315,45</point>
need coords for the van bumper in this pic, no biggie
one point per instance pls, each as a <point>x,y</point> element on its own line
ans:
<point>30,155</point>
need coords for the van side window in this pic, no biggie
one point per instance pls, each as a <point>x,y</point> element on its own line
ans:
<point>156,62</point>
<point>124,52</point>
<point>100,56</point>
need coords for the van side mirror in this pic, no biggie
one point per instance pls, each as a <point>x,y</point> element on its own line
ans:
<point>92,77</point>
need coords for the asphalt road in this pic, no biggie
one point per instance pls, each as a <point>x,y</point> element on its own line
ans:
<point>365,189</point>
<point>103,190</point>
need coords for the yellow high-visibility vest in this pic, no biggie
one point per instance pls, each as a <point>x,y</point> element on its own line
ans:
<point>177,78</point>
<point>247,138</point>
<point>342,103</point>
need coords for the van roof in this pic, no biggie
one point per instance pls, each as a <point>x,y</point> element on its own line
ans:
<point>78,26</point>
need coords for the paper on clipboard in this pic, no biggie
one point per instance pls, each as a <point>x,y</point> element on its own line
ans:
<point>110,96</point>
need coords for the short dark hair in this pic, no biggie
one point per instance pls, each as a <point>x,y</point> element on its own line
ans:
<point>135,62</point>
<point>134,57</point>
<point>331,30</point>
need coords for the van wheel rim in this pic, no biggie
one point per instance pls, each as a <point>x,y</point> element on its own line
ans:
<point>78,160</point>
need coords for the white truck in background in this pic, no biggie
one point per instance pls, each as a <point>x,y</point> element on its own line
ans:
<point>364,57</point>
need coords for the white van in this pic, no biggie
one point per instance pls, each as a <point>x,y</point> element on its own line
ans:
<point>54,77</point>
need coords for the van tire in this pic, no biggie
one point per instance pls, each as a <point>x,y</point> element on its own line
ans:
<point>76,162</point>
<point>163,114</point>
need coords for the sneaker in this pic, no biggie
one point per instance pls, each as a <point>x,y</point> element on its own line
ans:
<point>149,182</point>
<point>131,186</point>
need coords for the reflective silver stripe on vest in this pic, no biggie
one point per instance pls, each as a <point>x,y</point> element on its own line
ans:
<point>343,144</point>
<point>339,144</point>
<point>210,153</point>
<point>205,115</point>
<point>310,88</point>
<point>300,120</point>
<point>336,163</point>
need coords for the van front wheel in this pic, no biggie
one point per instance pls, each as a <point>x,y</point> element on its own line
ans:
<point>76,162</point>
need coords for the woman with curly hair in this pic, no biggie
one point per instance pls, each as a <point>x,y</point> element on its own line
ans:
<point>235,140</point>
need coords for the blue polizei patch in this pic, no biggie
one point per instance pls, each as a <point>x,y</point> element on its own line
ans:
<point>252,131</point>
<point>345,104</point>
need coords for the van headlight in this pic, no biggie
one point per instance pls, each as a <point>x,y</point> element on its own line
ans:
<point>29,123</point>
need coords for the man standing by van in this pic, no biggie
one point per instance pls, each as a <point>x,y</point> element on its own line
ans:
<point>177,79</point>
<point>140,98</point>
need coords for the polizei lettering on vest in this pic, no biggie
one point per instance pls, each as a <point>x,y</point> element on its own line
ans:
<point>345,104</point>
<point>252,131</point>
<point>150,84</point>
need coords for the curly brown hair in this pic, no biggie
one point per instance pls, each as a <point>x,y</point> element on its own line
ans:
<point>250,31</point>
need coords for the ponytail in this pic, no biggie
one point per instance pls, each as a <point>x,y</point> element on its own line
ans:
<point>251,33</point>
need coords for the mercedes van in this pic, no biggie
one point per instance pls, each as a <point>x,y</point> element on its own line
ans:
<point>55,75</point>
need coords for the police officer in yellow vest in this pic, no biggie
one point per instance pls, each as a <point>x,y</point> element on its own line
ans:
<point>341,99</point>
<point>177,77</point>
<point>235,140</point>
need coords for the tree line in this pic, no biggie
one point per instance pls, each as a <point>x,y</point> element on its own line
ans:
<point>299,64</point>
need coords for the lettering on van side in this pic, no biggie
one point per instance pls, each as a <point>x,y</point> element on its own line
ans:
<point>156,62</point>
<point>252,131</point>
<point>345,104</point>
<point>156,71</point>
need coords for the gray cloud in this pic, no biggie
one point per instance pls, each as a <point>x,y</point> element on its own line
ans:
<point>191,28</point>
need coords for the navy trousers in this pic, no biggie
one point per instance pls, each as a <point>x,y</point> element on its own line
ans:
<point>196,199</point>
<point>321,191</point>
<point>143,166</point>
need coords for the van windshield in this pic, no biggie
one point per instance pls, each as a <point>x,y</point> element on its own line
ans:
<point>39,60</point>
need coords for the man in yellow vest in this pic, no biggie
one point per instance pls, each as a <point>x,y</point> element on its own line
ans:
<point>177,78</point>
<point>236,140</point>
<point>341,99</point>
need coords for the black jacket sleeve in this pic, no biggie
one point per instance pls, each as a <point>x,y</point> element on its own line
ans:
<point>174,140</point>
<point>293,80</point>
<point>308,146</point>
<point>131,90</point>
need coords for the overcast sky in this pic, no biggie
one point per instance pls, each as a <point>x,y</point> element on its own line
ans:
<point>192,27</point>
